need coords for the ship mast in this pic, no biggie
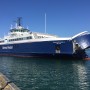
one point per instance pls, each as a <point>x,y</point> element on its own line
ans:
<point>45,22</point>
<point>19,21</point>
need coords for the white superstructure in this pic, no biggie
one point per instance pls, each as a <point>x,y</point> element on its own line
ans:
<point>19,34</point>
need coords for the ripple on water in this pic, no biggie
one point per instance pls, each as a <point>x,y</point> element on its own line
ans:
<point>47,74</point>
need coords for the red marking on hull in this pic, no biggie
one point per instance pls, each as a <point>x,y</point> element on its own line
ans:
<point>87,58</point>
<point>19,56</point>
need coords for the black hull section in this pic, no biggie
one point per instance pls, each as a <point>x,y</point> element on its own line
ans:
<point>80,55</point>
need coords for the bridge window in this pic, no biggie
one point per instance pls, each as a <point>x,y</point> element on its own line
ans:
<point>29,37</point>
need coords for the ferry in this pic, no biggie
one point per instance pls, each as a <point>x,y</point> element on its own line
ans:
<point>22,42</point>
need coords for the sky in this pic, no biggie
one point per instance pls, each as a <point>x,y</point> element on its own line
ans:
<point>64,18</point>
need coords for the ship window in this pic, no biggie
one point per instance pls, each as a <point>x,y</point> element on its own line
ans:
<point>21,38</point>
<point>17,30</point>
<point>21,30</point>
<point>1,41</point>
<point>40,37</point>
<point>29,37</point>
<point>18,39</point>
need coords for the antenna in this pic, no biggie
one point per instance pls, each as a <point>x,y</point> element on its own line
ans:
<point>19,21</point>
<point>45,22</point>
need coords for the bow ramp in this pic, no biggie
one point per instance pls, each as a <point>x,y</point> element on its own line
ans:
<point>82,39</point>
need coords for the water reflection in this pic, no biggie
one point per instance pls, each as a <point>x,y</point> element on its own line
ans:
<point>46,74</point>
<point>82,79</point>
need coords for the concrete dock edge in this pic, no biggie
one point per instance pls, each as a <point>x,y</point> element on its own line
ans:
<point>6,84</point>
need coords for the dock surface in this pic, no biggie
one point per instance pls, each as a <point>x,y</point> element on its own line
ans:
<point>6,84</point>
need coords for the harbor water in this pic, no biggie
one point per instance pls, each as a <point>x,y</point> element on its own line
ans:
<point>47,74</point>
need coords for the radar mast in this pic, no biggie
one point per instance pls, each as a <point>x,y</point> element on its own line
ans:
<point>19,21</point>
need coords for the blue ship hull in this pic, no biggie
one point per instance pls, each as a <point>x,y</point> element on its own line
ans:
<point>57,49</point>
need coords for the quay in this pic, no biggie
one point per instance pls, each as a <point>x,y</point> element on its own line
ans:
<point>6,84</point>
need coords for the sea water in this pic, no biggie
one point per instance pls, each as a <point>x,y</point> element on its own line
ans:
<point>47,74</point>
